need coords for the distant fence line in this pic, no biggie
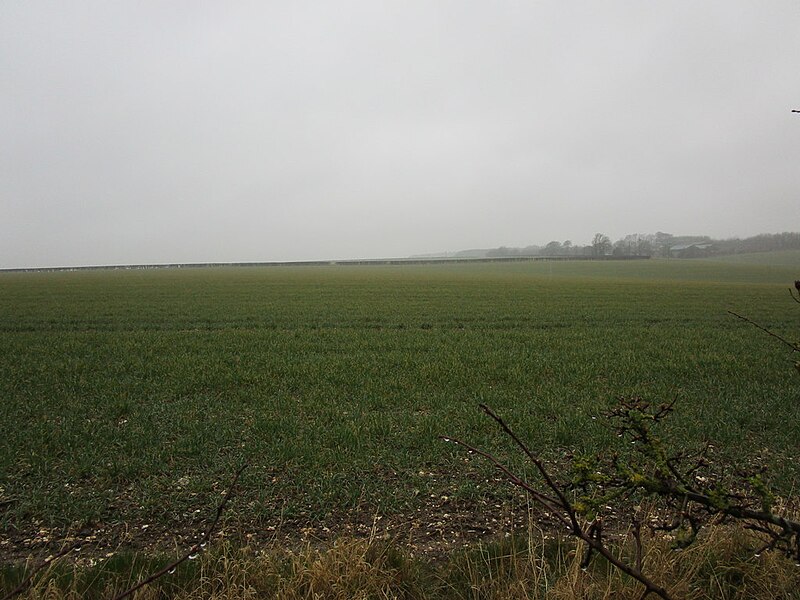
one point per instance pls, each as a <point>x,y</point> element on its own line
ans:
<point>325,263</point>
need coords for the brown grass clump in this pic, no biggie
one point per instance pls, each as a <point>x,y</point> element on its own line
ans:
<point>719,566</point>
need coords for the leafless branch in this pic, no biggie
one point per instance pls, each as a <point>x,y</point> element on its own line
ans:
<point>765,330</point>
<point>196,548</point>
<point>537,462</point>
<point>551,504</point>
<point>45,563</point>
<point>560,505</point>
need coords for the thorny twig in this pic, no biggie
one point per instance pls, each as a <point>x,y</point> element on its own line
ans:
<point>563,509</point>
<point>675,478</point>
<point>693,493</point>
<point>196,548</point>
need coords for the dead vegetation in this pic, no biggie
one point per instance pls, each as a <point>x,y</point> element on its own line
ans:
<point>526,565</point>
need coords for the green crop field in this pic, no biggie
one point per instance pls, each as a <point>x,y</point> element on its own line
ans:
<point>129,397</point>
<point>782,258</point>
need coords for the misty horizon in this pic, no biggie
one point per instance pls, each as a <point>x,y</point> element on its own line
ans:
<point>463,253</point>
<point>181,133</point>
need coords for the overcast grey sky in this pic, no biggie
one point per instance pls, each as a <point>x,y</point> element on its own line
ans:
<point>149,132</point>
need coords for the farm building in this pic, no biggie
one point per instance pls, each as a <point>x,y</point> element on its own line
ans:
<point>696,250</point>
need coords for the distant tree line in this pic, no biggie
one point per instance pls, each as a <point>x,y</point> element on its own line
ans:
<point>658,244</point>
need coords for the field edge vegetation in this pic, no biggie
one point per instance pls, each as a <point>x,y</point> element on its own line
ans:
<point>522,565</point>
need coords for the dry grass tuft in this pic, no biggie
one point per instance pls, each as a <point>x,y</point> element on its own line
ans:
<point>719,566</point>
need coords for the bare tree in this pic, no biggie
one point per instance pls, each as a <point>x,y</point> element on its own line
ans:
<point>601,244</point>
